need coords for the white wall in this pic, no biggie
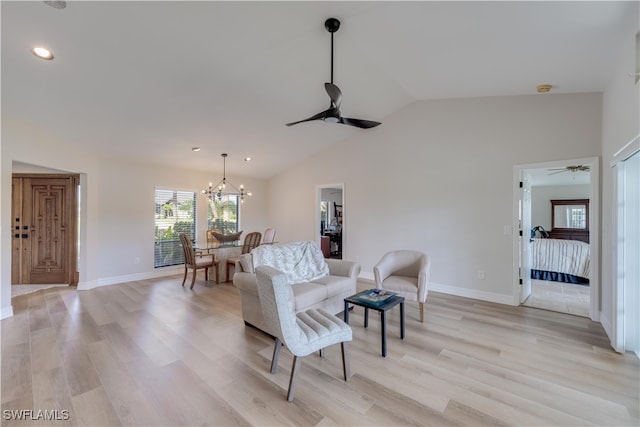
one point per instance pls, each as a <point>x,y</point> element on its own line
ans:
<point>620,124</point>
<point>117,205</point>
<point>437,176</point>
<point>541,197</point>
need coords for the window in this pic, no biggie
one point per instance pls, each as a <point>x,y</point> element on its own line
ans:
<point>175,214</point>
<point>223,214</point>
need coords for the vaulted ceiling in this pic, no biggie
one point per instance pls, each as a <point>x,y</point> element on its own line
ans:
<point>150,80</point>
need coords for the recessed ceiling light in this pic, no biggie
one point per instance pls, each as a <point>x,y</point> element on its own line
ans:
<point>544,88</point>
<point>247,159</point>
<point>195,149</point>
<point>42,53</point>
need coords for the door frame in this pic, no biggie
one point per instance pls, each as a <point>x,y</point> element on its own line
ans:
<point>72,276</point>
<point>594,226</point>
<point>523,237</point>
<point>618,279</point>
<point>316,231</point>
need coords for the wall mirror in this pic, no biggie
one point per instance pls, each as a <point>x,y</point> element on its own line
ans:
<point>570,214</point>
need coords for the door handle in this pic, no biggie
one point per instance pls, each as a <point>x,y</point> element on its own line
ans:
<point>17,236</point>
<point>25,236</point>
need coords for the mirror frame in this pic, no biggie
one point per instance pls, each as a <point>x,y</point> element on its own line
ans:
<point>555,203</point>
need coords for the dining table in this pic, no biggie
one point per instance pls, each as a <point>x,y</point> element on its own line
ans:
<point>221,253</point>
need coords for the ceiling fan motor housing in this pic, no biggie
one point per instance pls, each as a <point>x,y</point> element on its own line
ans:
<point>332,25</point>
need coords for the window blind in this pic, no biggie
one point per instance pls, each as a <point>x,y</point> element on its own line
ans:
<point>175,213</point>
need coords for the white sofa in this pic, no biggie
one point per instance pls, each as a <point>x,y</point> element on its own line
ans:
<point>327,292</point>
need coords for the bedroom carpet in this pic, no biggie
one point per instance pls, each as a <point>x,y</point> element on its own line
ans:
<point>562,297</point>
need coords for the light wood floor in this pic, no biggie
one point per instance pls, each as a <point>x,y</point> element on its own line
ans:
<point>153,353</point>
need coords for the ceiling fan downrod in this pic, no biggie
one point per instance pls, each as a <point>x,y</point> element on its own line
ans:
<point>332,25</point>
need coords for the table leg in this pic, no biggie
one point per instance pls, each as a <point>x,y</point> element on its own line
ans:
<point>383,322</point>
<point>402,320</point>
<point>346,312</point>
<point>366,317</point>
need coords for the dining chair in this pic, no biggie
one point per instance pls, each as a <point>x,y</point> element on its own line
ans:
<point>302,333</point>
<point>196,261</point>
<point>406,273</point>
<point>251,240</point>
<point>269,236</point>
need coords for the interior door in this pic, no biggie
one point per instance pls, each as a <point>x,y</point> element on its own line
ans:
<point>44,231</point>
<point>525,237</point>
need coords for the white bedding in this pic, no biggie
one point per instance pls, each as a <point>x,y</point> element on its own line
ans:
<point>560,256</point>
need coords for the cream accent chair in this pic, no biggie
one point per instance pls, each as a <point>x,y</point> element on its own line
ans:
<point>303,333</point>
<point>405,272</point>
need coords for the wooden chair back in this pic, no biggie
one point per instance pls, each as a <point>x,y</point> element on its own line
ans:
<point>187,248</point>
<point>251,240</point>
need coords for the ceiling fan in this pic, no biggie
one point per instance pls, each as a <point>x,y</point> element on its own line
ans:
<point>332,114</point>
<point>570,168</point>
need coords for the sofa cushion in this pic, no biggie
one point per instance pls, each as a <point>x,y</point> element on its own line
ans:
<point>308,294</point>
<point>246,263</point>
<point>335,284</point>
<point>299,261</point>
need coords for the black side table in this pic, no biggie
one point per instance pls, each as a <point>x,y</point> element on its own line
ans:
<point>383,307</point>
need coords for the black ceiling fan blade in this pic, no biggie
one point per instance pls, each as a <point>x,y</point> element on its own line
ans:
<point>332,114</point>
<point>359,123</point>
<point>334,93</point>
<point>319,116</point>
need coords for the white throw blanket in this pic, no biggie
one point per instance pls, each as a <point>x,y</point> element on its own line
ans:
<point>299,261</point>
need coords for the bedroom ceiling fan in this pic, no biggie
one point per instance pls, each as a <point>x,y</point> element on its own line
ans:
<point>570,168</point>
<point>332,114</point>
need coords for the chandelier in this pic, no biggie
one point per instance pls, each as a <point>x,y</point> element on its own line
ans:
<point>220,189</point>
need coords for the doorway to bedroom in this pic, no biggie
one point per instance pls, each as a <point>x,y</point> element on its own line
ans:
<point>557,256</point>
<point>330,219</point>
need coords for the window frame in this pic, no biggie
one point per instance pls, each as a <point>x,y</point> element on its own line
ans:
<point>167,248</point>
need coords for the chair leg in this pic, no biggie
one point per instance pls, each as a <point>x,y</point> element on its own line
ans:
<point>229,265</point>
<point>292,380</point>
<point>321,351</point>
<point>184,279</point>
<point>422,312</point>
<point>193,278</point>
<point>346,366</point>
<point>217,267</point>
<point>276,354</point>
<point>206,273</point>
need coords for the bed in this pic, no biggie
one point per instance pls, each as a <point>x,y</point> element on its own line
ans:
<point>560,260</point>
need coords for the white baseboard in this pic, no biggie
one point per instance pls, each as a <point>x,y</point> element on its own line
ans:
<point>461,292</point>
<point>607,326</point>
<point>472,293</point>
<point>160,272</point>
<point>6,312</point>
<point>367,276</point>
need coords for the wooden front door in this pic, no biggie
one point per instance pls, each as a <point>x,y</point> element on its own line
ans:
<point>44,229</point>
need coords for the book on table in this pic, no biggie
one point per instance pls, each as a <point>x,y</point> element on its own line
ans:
<point>375,296</point>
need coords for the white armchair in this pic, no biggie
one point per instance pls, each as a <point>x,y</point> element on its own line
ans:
<point>303,333</point>
<point>405,272</point>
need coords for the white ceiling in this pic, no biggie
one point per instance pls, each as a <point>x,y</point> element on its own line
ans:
<point>552,176</point>
<point>149,80</point>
